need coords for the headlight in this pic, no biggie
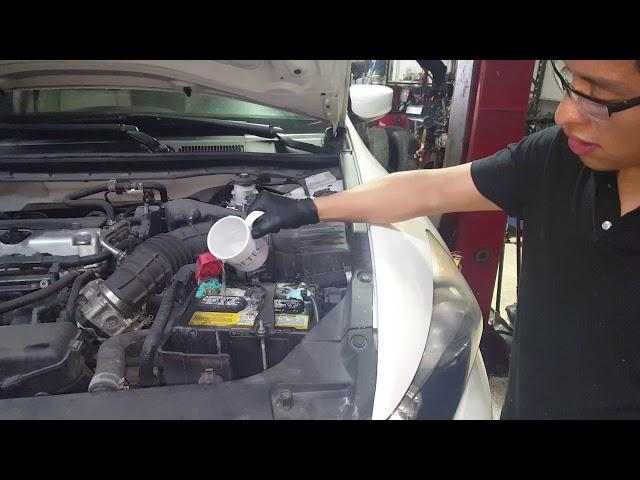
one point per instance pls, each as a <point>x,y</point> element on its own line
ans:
<point>452,344</point>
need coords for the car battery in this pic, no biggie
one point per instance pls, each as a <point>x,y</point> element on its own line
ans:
<point>218,332</point>
<point>293,306</point>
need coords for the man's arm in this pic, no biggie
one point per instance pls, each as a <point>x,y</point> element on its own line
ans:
<point>389,199</point>
<point>502,181</point>
<point>404,195</point>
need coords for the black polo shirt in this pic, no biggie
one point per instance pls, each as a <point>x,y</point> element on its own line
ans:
<point>576,345</point>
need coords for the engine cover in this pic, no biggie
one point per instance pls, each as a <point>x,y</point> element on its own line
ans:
<point>62,242</point>
<point>30,237</point>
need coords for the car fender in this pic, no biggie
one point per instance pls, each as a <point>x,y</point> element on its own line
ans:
<point>403,293</point>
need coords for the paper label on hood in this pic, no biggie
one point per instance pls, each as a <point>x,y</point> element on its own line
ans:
<point>319,179</point>
<point>320,184</point>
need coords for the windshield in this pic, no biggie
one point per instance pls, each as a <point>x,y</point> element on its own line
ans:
<point>126,102</point>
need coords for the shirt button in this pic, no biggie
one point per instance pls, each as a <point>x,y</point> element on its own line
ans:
<point>606,225</point>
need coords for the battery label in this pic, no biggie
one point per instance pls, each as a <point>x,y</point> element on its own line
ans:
<point>223,303</point>
<point>215,319</point>
<point>223,319</point>
<point>288,306</point>
<point>299,322</point>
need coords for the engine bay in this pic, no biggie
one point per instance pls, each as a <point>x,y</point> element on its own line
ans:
<point>103,293</point>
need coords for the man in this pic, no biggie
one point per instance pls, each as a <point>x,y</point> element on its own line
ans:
<point>576,347</point>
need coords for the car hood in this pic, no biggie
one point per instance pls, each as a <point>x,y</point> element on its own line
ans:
<point>316,88</point>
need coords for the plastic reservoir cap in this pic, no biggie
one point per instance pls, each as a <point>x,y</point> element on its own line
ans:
<point>207,267</point>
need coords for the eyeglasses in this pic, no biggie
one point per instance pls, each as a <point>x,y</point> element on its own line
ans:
<point>592,107</point>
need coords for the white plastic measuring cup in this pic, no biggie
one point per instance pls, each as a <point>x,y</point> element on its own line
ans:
<point>230,240</point>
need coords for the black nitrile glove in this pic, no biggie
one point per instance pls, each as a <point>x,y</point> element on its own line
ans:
<point>281,212</point>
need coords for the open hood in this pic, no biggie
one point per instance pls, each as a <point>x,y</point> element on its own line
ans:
<point>316,88</point>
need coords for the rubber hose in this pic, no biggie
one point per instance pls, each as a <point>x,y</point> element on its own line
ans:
<point>78,283</point>
<point>82,261</point>
<point>111,361</point>
<point>152,342</point>
<point>39,294</point>
<point>164,196</point>
<point>73,200</point>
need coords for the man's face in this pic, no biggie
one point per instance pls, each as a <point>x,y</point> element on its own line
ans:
<point>610,144</point>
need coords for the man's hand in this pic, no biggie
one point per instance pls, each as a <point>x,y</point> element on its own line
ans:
<point>281,212</point>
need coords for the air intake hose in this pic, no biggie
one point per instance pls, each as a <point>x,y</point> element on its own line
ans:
<point>153,263</point>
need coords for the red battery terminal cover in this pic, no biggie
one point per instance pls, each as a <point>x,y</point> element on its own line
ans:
<point>207,267</point>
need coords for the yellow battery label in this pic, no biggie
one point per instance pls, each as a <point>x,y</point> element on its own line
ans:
<point>300,322</point>
<point>214,319</point>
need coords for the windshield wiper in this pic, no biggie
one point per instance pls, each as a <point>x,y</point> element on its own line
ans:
<point>234,126</point>
<point>151,120</point>
<point>131,131</point>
